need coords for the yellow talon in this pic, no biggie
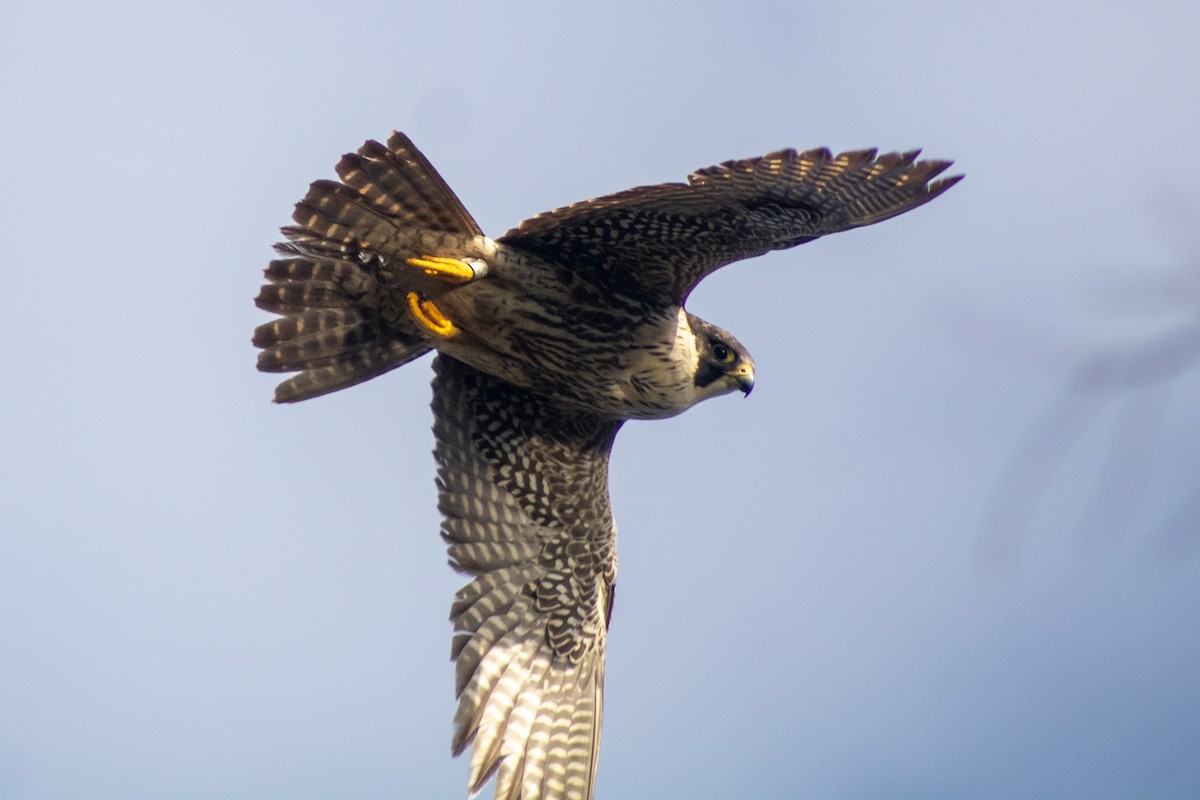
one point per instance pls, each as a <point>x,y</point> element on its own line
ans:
<point>455,270</point>
<point>429,317</point>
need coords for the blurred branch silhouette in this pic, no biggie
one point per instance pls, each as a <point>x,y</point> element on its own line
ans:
<point>1122,392</point>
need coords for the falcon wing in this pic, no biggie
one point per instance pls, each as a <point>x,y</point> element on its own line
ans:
<point>523,486</point>
<point>662,240</point>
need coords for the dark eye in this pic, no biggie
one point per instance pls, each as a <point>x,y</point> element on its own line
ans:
<point>722,353</point>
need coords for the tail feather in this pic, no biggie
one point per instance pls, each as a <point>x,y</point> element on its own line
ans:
<point>334,339</point>
<point>400,181</point>
<point>316,349</point>
<point>341,327</point>
<point>292,298</point>
<point>304,265</point>
<point>341,284</point>
<point>352,368</point>
<point>303,325</point>
<point>322,338</point>
<point>336,212</point>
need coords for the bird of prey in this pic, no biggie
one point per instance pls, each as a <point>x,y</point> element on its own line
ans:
<point>548,339</point>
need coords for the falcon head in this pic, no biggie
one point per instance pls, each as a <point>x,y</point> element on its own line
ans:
<point>722,363</point>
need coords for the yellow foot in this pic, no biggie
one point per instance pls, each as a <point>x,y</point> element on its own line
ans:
<point>429,317</point>
<point>452,270</point>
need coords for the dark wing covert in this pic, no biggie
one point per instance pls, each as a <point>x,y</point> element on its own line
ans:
<point>662,240</point>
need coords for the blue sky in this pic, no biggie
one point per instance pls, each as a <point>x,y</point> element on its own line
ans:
<point>926,559</point>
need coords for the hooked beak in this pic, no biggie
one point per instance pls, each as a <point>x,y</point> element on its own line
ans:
<point>744,378</point>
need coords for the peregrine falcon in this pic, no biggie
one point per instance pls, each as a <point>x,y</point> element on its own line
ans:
<point>548,339</point>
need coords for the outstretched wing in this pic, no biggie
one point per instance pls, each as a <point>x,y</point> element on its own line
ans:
<point>662,240</point>
<point>523,486</point>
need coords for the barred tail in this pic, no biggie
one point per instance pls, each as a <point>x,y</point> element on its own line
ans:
<point>338,328</point>
<point>341,286</point>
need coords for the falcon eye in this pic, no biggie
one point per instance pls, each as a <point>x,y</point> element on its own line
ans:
<point>722,353</point>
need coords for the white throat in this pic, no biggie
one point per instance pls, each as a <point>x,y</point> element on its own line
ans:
<point>684,351</point>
